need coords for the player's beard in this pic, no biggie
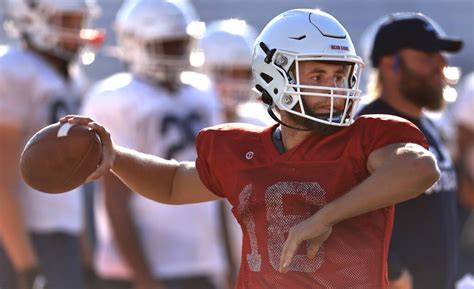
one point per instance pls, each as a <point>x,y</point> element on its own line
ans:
<point>308,124</point>
<point>418,89</point>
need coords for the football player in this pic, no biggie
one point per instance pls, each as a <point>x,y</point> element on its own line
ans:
<point>227,48</point>
<point>314,194</point>
<point>40,81</point>
<point>143,244</point>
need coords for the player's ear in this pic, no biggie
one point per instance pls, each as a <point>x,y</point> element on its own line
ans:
<point>389,63</point>
<point>395,62</point>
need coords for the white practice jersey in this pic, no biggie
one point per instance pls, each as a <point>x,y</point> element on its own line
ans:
<point>464,115</point>
<point>177,240</point>
<point>33,95</point>
<point>254,113</point>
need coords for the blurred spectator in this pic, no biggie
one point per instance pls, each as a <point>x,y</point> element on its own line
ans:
<point>39,82</point>
<point>143,244</point>
<point>407,53</point>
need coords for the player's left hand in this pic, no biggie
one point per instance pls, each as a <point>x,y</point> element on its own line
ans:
<point>313,229</point>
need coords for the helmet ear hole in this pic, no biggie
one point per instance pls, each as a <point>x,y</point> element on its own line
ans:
<point>267,78</point>
<point>266,98</point>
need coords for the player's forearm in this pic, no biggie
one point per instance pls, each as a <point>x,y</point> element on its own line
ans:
<point>117,202</point>
<point>13,234</point>
<point>398,179</point>
<point>145,174</point>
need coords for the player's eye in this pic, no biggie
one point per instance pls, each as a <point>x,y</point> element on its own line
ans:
<point>317,77</point>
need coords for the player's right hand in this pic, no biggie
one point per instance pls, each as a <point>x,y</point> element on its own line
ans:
<point>314,229</point>
<point>108,149</point>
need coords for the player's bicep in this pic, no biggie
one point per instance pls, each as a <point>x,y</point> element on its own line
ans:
<point>380,156</point>
<point>188,187</point>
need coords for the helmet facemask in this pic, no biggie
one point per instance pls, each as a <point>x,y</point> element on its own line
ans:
<point>342,89</point>
<point>233,83</point>
<point>62,32</point>
<point>162,60</point>
<point>68,35</point>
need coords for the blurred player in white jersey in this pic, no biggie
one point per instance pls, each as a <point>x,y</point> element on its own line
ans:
<point>143,244</point>
<point>227,48</point>
<point>39,82</point>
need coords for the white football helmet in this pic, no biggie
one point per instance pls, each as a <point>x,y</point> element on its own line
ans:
<point>227,46</point>
<point>60,27</point>
<point>305,35</point>
<point>153,38</point>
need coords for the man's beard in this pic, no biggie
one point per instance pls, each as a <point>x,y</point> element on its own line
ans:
<point>418,90</point>
<point>308,124</point>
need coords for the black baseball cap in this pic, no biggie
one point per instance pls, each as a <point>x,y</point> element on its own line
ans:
<point>415,32</point>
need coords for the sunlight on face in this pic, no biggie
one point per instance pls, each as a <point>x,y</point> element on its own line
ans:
<point>324,74</point>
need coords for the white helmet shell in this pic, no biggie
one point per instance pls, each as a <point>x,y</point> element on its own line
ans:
<point>151,19</point>
<point>228,43</point>
<point>304,35</point>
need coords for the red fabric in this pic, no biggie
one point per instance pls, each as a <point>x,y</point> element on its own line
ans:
<point>270,193</point>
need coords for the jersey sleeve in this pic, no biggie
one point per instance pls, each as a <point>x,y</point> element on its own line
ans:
<point>206,161</point>
<point>383,130</point>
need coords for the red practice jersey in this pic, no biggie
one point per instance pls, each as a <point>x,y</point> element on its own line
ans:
<point>270,192</point>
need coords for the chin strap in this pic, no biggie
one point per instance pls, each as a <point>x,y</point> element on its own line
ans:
<point>267,99</point>
<point>272,114</point>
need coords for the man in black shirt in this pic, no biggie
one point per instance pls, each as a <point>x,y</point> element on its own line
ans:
<point>407,53</point>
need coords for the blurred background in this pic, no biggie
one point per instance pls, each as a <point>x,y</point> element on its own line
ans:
<point>455,16</point>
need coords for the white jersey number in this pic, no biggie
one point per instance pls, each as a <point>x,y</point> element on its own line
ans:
<point>279,223</point>
<point>187,127</point>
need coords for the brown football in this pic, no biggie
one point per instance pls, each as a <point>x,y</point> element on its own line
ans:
<point>60,157</point>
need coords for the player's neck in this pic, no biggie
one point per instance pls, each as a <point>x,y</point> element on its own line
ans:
<point>292,137</point>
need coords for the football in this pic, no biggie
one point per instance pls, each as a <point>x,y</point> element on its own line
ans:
<point>60,157</point>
